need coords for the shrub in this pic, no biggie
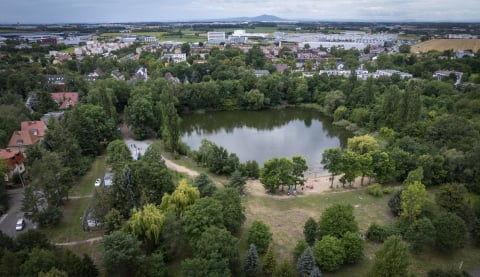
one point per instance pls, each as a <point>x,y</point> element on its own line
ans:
<point>378,233</point>
<point>375,190</point>
<point>387,190</point>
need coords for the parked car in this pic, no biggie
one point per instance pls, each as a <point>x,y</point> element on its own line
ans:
<point>98,182</point>
<point>20,224</point>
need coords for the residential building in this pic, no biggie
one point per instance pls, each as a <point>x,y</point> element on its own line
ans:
<point>117,75</point>
<point>14,159</point>
<point>31,132</point>
<point>65,100</point>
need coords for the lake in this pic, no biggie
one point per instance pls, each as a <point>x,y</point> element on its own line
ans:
<point>263,135</point>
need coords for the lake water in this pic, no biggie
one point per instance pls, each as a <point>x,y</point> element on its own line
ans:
<point>263,135</point>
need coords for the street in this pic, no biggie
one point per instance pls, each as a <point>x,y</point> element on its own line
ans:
<point>9,220</point>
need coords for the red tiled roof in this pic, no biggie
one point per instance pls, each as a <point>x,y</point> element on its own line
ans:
<point>31,132</point>
<point>12,157</point>
<point>65,100</point>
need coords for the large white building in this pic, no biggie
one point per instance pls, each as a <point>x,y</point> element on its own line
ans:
<point>216,37</point>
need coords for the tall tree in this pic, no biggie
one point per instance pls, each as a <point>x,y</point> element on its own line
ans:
<point>413,199</point>
<point>299,167</point>
<point>118,154</point>
<point>276,172</point>
<point>147,223</point>
<point>332,161</point>
<point>238,181</point>
<point>181,199</point>
<point>125,192</point>
<point>204,184</point>
<point>310,230</point>
<point>451,232</point>
<point>121,253</point>
<point>204,213</point>
<point>353,245</point>
<point>232,209</point>
<point>420,233</point>
<point>252,262</point>
<point>329,253</point>
<point>306,262</point>
<point>392,260</point>
<point>269,263</point>
<point>259,234</point>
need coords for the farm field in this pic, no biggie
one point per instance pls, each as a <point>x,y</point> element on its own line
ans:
<point>447,44</point>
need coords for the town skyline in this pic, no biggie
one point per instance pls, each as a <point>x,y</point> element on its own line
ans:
<point>89,11</point>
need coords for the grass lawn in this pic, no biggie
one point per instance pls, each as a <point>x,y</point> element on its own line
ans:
<point>287,216</point>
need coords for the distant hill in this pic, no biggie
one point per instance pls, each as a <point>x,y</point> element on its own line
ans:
<point>446,44</point>
<point>260,18</point>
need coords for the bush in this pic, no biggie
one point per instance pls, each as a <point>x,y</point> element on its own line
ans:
<point>378,233</point>
<point>387,190</point>
<point>329,253</point>
<point>375,190</point>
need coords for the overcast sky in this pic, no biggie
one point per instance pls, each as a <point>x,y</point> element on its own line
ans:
<point>110,11</point>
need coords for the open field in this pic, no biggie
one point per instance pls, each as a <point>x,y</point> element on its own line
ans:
<point>187,36</point>
<point>447,44</point>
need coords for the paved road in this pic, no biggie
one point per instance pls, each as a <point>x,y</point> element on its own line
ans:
<point>9,220</point>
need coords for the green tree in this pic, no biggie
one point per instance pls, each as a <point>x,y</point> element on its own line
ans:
<point>336,220</point>
<point>118,154</point>
<point>141,116</point>
<point>181,199</point>
<point>217,244</point>
<point>310,230</point>
<point>158,268</point>
<point>200,267</point>
<point>254,99</point>
<point>204,213</point>
<point>53,272</point>
<point>395,203</point>
<point>147,223</point>
<point>451,232</point>
<point>284,269</point>
<point>299,248</point>
<point>276,172</point>
<point>232,209</point>
<point>350,167</point>
<point>113,221</point>
<point>413,199</point>
<point>306,262</point>
<point>420,233</point>
<point>392,259</point>
<point>252,169</point>
<point>268,262</point>
<point>252,262</point>
<point>10,263</point>
<point>204,184</point>
<point>363,144</point>
<point>452,197</point>
<point>38,260</point>
<point>121,253</point>
<point>259,234</point>
<point>299,167</point>
<point>353,245</point>
<point>329,253</point>
<point>332,161</point>
<point>125,192</point>
<point>333,100</point>
<point>238,181</point>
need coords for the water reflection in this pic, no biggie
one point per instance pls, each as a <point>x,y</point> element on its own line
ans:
<point>263,135</point>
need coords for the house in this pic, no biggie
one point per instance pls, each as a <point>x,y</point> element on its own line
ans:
<point>31,132</point>
<point>140,75</point>
<point>65,100</point>
<point>14,159</point>
<point>117,75</point>
<point>97,73</point>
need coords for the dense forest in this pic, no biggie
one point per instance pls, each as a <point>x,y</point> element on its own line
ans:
<point>420,132</point>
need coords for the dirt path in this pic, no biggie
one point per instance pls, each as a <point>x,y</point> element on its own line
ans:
<point>78,241</point>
